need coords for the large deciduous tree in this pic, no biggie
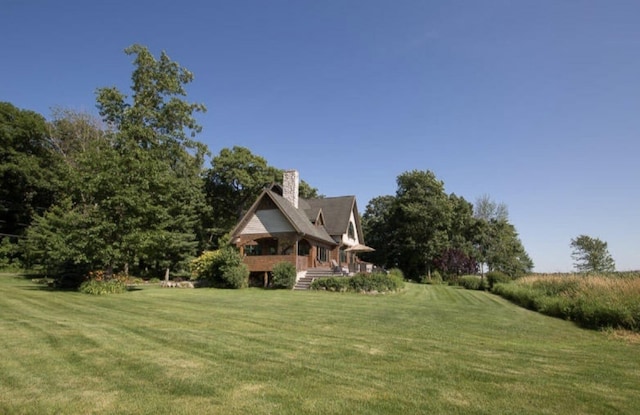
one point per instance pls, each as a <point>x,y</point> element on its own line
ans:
<point>421,219</point>
<point>379,233</point>
<point>422,228</point>
<point>504,251</point>
<point>28,169</point>
<point>155,131</point>
<point>488,209</point>
<point>496,241</point>
<point>72,133</point>
<point>591,255</point>
<point>137,194</point>
<point>235,180</point>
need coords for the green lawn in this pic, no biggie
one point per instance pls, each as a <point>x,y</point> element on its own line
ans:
<point>429,349</point>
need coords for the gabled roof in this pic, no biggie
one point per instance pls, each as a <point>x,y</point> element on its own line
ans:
<point>296,217</point>
<point>337,212</point>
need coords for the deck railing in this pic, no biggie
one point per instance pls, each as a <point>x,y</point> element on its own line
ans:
<point>267,262</point>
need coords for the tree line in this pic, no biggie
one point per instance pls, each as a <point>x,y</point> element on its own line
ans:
<point>130,193</point>
<point>422,229</point>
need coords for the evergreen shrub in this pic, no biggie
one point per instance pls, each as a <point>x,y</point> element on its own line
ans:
<point>376,282</point>
<point>8,255</point>
<point>284,275</point>
<point>235,276</point>
<point>339,284</point>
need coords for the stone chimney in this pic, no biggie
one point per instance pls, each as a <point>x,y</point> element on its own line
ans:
<point>291,186</point>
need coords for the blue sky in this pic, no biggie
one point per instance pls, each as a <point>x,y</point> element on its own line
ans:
<point>535,103</point>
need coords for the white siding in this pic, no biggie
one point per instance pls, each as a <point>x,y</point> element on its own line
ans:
<point>267,221</point>
<point>345,237</point>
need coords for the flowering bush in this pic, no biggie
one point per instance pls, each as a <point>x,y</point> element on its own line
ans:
<point>221,268</point>
<point>100,283</point>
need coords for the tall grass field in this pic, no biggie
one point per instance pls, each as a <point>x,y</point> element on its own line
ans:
<point>594,301</point>
<point>425,350</point>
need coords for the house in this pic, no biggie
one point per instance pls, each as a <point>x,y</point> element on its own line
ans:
<point>313,234</point>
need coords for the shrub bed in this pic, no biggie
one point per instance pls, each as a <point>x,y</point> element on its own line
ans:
<point>339,284</point>
<point>591,301</point>
<point>376,282</point>
<point>96,287</point>
<point>471,282</point>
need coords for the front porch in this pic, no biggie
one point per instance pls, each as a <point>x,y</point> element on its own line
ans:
<point>262,253</point>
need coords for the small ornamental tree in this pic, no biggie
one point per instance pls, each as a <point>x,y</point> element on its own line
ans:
<point>454,262</point>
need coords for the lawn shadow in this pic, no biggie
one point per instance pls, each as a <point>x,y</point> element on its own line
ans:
<point>38,288</point>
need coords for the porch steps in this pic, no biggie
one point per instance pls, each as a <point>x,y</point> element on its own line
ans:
<point>304,283</point>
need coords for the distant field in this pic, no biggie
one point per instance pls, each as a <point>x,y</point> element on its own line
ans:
<point>429,349</point>
<point>595,301</point>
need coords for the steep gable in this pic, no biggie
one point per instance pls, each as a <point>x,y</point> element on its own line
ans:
<point>271,213</point>
<point>337,213</point>
<point>267,221</point>
<point>301,221</point>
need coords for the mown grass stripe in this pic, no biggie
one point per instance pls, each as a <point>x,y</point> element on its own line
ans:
<point>428,349</point>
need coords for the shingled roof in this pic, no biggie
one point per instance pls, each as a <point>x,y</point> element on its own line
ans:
<point>336,210</point>
<point>300,220</point>
<point>297,217</point>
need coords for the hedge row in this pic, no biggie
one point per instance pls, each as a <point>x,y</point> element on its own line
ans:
<point>377,282</point>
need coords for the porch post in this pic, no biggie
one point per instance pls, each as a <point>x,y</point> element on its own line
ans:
<point>295,248</point>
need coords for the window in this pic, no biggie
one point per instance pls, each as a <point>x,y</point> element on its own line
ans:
<point>352,232</point>
<point>343,256</point>
<point>251,250</point>
<point>303,248</point>
<point>322,254</point>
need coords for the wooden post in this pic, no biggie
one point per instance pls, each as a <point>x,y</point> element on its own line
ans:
<point>266,279</point>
